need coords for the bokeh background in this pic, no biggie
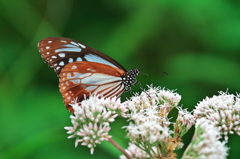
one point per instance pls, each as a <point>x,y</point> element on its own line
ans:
<point>196,42</point>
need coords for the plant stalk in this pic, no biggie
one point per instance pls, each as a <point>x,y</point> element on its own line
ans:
<point>119,148</point>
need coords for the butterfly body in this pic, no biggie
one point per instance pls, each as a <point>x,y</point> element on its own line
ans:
<point>83,71</point>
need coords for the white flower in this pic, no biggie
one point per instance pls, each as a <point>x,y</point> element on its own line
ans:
<point>91,120</point>
<point>205,143</point>
<point>149,124</point>
<point>165,100</point>
<point>223,110</point>
<point>184,122</point>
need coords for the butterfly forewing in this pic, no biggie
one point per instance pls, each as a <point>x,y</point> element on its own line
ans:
<point>58,51</point>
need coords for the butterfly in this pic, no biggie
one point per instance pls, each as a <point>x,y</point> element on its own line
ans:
<point>83,71</point>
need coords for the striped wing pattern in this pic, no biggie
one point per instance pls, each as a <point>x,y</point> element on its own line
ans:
<point>80,79</point>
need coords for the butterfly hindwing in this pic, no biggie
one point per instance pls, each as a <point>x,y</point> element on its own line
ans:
<point>82,78</point>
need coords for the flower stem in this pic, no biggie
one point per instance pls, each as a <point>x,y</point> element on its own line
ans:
<point>119,148</point>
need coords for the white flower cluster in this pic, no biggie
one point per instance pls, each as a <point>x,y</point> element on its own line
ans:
<point>149,111</point>
<point>91,120</point>
<point>205,143</point>
<point>165,100</point>
<point>149,125</point>
<point>150,131</point>
<point>223,110</point>
<point>184,122</point>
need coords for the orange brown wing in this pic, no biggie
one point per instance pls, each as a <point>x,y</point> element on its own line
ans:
<point>82,78</point>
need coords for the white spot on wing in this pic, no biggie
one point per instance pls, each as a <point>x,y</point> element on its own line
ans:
<point>69,75</point>
<point>70,49</point>
<point>74,66</point>
<point>69,45</point>
<point>79,59</point>
<point>95,58</point>
<point>47,47</point>
<point>81,75</point>
<point>82,46</point>
<point>61,54</point>
<point>54,57</point>
<point>70,60</point>
<point>61,63</point>
<point>50,41</point>
<point>76,81</point>
<point>72,42</point>
<point>89,69</point>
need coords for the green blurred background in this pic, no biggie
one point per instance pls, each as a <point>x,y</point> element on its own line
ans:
<point>196,42</point>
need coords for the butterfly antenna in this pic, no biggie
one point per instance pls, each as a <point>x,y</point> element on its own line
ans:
<point>144,73</point>
<point>161,72</point>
